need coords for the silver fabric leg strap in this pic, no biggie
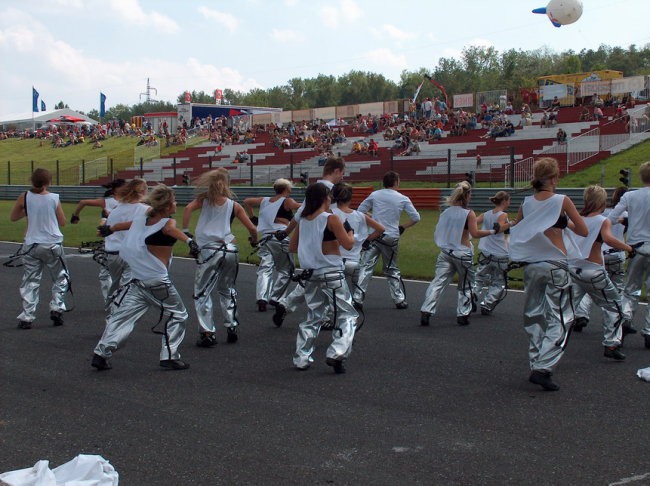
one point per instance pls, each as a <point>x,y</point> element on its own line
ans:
<point>637,269</point>
<point>447,265</point>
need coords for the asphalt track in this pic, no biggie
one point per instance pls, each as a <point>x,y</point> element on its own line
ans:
<point>437,405</point>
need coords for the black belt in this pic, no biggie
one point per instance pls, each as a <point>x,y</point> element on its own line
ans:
<point>111,252</point>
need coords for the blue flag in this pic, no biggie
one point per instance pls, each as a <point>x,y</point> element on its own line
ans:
<point>34,99</point>
<point>43,108</point>
<point>102,105</point>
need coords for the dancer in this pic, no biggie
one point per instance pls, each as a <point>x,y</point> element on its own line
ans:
<point>614,264</point>
<point>359,222</point>
<point>386,206</point>
<point>452,235</point>
<point>333,172</point>
<point>218,261</point>
<point>317,239</point>
<point>107,203</point>
<point>589,272</point>
<point>129,206</point>
<point>42,248</point>
<point>493,255</point>
<point>276,264</point>
<point>147,249</point>
<point>637,204</point>
<point>539,241</point>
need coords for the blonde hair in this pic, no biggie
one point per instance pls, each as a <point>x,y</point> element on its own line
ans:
<point>500,197</point>
<point>213,185</point>
<point>160,198</point>
<point>544,170</point>
<point>133,190</point>
<point>595,198</point>
<point>280,185</point>
<point>644,172</point>
<point>460,194</point>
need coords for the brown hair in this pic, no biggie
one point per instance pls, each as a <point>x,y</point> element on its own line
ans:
<point>617,195</point>
<point>160,197</point>
<point>341,193</point>
<point>500,197</point>
<point>391,178</point>
<point>41,178</point>
<point>332,164</point>
<point>133,190</point>
<point>544,170</point>
<point>595,198</point>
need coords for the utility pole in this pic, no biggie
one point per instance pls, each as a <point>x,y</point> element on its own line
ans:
<point>147,93</point>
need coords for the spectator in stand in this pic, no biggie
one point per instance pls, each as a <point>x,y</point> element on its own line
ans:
<point>373,148</point>
<point>427,106</point>
<point>478,161</point>
<point>597,101</point>
<point>555,103</point>
<point>585,115</point>
<point>509,110</point>
<point>561,136</point>
<point>598,113</point>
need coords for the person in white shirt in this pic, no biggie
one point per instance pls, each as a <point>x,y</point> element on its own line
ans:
<point>493,255</point>
<point>386,206</point>
<point>276,264</point>
<point>317,239</point>
<point>589,274</point>
<point>218,261</point>
<point>637,205</point>
<point>614,264</point>
<point>540,241</point>
<point>42,248</point>
<point>452,235</point>
<point>147,249</point>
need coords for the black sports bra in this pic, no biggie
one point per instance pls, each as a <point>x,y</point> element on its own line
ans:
<point>562,222</point>
<point>284,213</point>
<point>160,239</point>
<point>599,238</point>
<point>328,235</point>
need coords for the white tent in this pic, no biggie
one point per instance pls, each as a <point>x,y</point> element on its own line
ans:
<point>24,120</point>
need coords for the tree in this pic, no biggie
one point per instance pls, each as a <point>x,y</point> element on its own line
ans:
<point>60,105</point>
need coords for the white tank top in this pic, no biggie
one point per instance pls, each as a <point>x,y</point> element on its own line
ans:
<point>618,230</point>
<point>122,213</point>
<point>496,245</point>
<point>585,243</point>
<point>134,251</point>
<point>449,230</point>
<point>310,244</point>
<point>528,243</point>
<point>42,225</point>
<point>214,223</point>
<point>268,212</point>
<point>358,223</point>
<point>110,203</point>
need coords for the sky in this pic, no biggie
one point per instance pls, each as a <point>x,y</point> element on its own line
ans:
<point>71,50</point>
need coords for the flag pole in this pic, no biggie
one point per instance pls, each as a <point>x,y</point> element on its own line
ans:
<point>33,122</point>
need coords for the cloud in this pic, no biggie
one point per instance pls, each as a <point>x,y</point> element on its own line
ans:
<point>286,35</point>
<point>131,11</point>
<point>347,12</point>
<point>384,57</point>
<point>392,32</point>
<point>227,20</point>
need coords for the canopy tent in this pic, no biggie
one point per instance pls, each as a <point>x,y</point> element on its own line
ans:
<point>67,119</point>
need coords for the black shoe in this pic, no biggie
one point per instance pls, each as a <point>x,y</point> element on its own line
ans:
<point>279,315</point>
<point>614,352</point>
<point>580,323</point>
<point>24,325</point>
<point>57,318</point>
<point>174,364</point>
<point>402,305</point>
<point>647,340</point>
<point>100,363</point>
<point>462,320</point>
<point>543,378</point>
<point>474,301</point>
<point>424,318</point>
<point>232,335</point>
<point>261,305</point>
<point>358,306</point>
<point>628,329</point>
<point>485,311</point>
<point>206,340</point>
<point>273,303</point>
<point>337,364</point>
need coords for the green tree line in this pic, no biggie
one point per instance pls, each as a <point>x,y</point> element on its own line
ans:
<point>477,69</point>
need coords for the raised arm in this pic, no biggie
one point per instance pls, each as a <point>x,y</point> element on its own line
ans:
<point>18,211</point>
<point>573,214</point>
<point>187,213</point>
<point>241,215</point>
<point>249,202</point>
<point>97,203</point>
<point>473,227</point>
<point>610,239</point>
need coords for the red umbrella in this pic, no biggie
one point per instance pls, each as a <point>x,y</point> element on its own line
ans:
<point>66,119</point>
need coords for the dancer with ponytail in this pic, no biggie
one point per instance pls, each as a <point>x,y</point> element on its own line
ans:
<point>455,226</point>
<point>42,248</point>
<point>493,255</point>
<point>147,249</point>
<point>539,241</point>
<point>218,260</point>
<point>589,272</point>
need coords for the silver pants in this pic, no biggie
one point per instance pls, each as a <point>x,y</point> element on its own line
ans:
<point>459,262</point>
<point>37,258</point>
<point>105,281</point>
<point>637,270</point>
<point>275,269</point>
<point>596,283</point>
<point>491,273</point>
<point>351,271</point>
<point>119,274</point>
<point>324,292</point>
<point>615,266</point>
<point>218,265</point>
<point>136,298</point>
<point>388,249</point>
<point>548,312</point>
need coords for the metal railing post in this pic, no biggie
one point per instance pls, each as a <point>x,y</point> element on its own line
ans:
<point>251,162</point>
<point>57,172</point>
<point>141,168</point>
<point>512,166</point>
<point>174,169</point>
<point>8,172</point>
<point>83,171</point>
<point>448,167</point>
